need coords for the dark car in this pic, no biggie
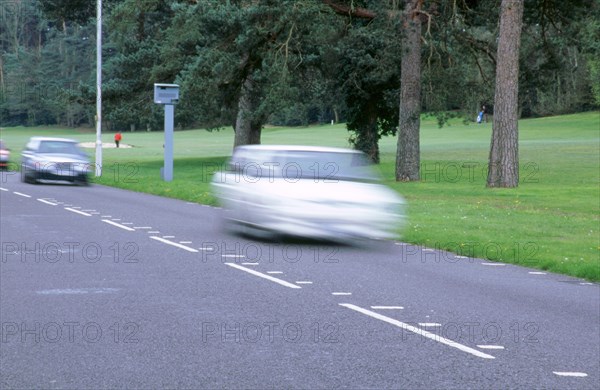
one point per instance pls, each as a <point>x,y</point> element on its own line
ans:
<point>61,159</point>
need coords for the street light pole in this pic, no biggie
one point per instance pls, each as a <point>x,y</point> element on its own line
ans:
<point>98,88</point>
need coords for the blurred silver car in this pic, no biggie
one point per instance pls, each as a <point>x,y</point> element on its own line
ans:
<point>46,158</point>
<point>307,191</point>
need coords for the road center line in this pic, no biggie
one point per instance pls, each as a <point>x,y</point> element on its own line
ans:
<point>341,293</point>
<point>118,225</point>
<point>264,276</point>
<point>3,189</point>
<point>418,331</point>
<point>187,248</point>
<point>78,212</point>
<point>21,194</point>
<point>47,202</point>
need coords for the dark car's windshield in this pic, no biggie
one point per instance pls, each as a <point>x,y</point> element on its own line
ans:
<point>59,147</point>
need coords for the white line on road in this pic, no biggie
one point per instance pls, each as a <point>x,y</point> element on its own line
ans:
<point>21,194</point>
<point>494,264</point>
<point>429,324</point>
<point>116,219</point>
<point>106,216</point>
<point>275,272</point>
<point>187,248</point>
<point>118,225</point>
<point>261,275</point>
<point>154,232</point>
<point>126,223</point>
<point>233,256</point>
<point>185,242</point>
<point>47,202</point>
<point>248,263</point>
<point>341,293</point>
<point>460,257</point>
<point>206,248</point>
<point>537,273</point>
<point>490,346</point>
<point>3,189</point>
<point>78,212</point>
<point>575,374</point>
<point>143,227</point>
<point>304,282</point>
<point>168,236</point>
<point>387,307</point>
<point>418,331</point>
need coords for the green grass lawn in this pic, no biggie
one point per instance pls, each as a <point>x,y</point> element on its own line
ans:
<point>550,222</point>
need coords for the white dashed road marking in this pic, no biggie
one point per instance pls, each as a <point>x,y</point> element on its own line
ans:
<point>537,273</point>
<point>572,374</point>
<point>490,346</point>
<point>275,272</point>
<point>418,331</point>
<point>387,307</point>
<point>341,293</point>
<point>21,194</point>
<point>429,324</point>
<point>494,264</point>
<point>118,225</point>
<point>48,202</point>
<point>304,282</point>
<point>78,212</point>
<point>175,244</point>
<point>264,276</point>
<point>3,189</point>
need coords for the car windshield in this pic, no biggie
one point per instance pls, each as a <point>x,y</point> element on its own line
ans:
<point>59,147</point>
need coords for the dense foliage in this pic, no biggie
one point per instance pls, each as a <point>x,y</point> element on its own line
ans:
<point>306,62</point>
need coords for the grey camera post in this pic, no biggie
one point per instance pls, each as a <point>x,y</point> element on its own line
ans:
<point>167,95</point>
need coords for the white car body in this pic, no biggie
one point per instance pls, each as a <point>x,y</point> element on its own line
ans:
<point>306,191</point>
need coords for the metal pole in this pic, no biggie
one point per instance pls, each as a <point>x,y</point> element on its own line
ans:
<point>169,120</point>
<point>99,88</point>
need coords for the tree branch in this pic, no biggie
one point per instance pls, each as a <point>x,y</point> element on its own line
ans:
<point>345,10</point>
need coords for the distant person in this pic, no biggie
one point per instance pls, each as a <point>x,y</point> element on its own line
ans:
<point>118,138</point>
<point>480,117</point>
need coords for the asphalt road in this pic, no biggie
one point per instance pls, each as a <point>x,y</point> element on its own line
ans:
<point>105,288</point>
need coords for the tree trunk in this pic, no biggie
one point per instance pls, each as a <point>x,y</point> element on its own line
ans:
<point>367,138</point>
<point>503,169</point>
<point>247,127</point>
<point>408,152</point>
